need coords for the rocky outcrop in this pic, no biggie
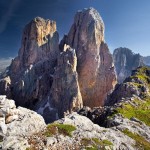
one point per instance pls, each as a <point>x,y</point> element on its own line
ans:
<point>16,124</point>
<point>30,72</point>
<point>24,129</point>
<point>65,92</point>
<point>135,85</point>
<point>125,61</point>
<point>95,65</point>
<point>78,132</point>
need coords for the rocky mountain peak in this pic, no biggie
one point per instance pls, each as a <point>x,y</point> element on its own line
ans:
<point>39,40</point>
<point>44,28</point>
<point>31,69</point>
<point>86,36</point>
<point>125,61</point>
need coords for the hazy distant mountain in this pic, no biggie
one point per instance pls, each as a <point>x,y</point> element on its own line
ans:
<point>4,62</point>
<point>146,60</point>
<point>125,61</point>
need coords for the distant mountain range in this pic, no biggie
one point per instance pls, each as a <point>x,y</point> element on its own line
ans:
<point>4,62</point>
<point>125,60</point>
<point>146,60</point>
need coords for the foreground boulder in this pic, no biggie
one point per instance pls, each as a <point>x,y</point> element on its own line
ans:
<point>78,132</point>
<point>24,129</point>
<point>16,124</point>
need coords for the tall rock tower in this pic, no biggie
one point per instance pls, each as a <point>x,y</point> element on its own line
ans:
<point>95,64</point>
<point>29,79</point>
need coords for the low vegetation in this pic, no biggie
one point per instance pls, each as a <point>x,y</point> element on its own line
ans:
<point>95,144</point>
<point>64,129</point>
<point>140,109</point>
<point>141,143</point>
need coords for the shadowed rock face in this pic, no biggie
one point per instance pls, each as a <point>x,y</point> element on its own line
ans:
<point>65,92</point>
<point>125,61</point>
<point>30,70</point>
<point>95,65</point>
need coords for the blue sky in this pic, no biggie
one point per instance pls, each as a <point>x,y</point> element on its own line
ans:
<point>127,22</point>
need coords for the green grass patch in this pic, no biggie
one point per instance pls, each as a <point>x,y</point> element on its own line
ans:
<point>102,142</point>
<point>95,143</point>
<point>141,74</point>
<point>141,110</point>
<point>53,129</point>
<point>141,143</point>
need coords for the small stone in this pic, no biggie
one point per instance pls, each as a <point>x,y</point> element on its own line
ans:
<point>51,141</point>
<point>3,128</point>
<point>11,118</point>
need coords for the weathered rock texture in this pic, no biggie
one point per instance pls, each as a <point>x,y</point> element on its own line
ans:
<point>30,72</point>
<point>95,65</point>
<point>87,135</point>
<point>24,129</point>
<point>136,85</point>
<point>65,92</point>
<point>125,61</point>
<point>16,124</point>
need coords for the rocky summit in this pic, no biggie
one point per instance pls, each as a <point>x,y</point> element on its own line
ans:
<point>55,79</point>
<point>95,65</point>
<point>125,61</point>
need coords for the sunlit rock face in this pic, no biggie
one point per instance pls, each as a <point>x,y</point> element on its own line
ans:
<point>95,65</point>
<point>125,61</point>
<point>30,72</point>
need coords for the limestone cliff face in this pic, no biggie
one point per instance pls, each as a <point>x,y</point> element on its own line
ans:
<point>30,72</point>
<point>65,92</point>
<point>55,79</point>
<point>95,65</point>
<point>125,61</point>
<point>39,41</point>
